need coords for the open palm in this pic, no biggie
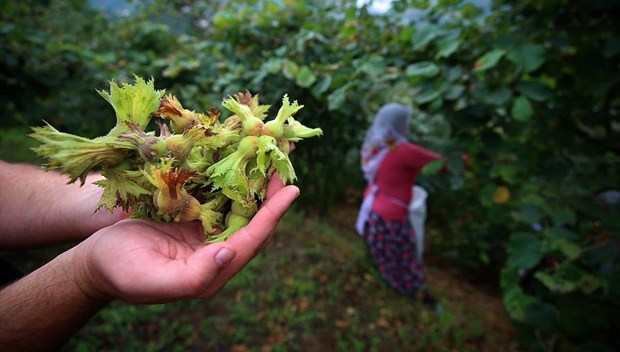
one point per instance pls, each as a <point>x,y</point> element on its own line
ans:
<point>142,261</point>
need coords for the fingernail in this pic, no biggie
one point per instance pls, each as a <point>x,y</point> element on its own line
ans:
<point>297,191</point>
<point>224,256</point>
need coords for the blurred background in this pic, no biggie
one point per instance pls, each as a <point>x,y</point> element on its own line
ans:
<point>522,245</point>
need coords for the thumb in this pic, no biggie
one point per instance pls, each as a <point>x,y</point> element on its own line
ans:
<point>206,263</point>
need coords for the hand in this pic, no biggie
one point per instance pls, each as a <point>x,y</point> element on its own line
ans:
<point>146,262</point>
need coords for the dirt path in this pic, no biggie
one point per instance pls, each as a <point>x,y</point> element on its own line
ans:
<point>464,299</point>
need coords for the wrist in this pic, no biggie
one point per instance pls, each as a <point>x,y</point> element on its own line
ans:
<point>78,270</point>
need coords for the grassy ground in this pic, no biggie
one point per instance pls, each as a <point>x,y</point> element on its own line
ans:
<point>312,289</point>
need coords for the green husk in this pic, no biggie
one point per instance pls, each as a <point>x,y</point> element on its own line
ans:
<point>193,168</point>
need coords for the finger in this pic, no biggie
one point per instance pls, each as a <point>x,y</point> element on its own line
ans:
<point>274,185</point>
<point>264,223</point>
<point>193,277</point>
<point>251,238</point>
<point>204,266</point>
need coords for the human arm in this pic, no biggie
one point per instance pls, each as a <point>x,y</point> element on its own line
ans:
<point>135,260</point>
<point>40,208</point>
<point>416,156</point>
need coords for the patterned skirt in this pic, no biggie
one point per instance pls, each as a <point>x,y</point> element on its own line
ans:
<point>393,248</point>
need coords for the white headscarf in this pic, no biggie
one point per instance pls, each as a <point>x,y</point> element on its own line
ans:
<point>388,130</point>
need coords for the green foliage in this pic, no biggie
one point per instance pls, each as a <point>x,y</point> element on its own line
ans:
<point>528,89</point>
<point>15,146</point>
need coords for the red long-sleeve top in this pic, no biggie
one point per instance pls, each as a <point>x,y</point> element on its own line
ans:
<point>395,177</point>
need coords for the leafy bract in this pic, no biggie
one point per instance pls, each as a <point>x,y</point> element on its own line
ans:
<point>132,103</point>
